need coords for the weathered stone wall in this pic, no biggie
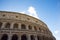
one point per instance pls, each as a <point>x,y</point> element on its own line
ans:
<point>39,28</point>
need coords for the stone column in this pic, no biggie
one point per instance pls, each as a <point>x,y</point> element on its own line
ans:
<point>45,38</point>
<point>11,25</point>
<point>19,26</point>
<point>29,37</point>
<point>1,36</point>
<point>33,28</point>
<point>9,36</point>
<point>41,37</point>
<point>19,37</point>
<point>35,37</point>
<point>27,27</point>
<point>3,25</point>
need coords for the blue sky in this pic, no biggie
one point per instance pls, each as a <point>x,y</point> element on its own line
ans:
<point>46,10</point>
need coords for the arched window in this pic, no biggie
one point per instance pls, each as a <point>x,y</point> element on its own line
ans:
<point>35,28</point>
<point>0,24</point>
<point>15,25</point>
<point>24,37</point>
<point>38,37</point>
<point>4,37</point>
<point>39,29</point>
<point>7,25</point>
<point>14,37</point>
<point>32,37</point>
<point>23,26</point>
<point>30,27</point>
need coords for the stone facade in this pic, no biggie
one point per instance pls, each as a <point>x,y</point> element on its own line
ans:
<point>17,26</point>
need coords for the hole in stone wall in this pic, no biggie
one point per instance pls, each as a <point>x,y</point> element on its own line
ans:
<point>3,15</point>
<point>16,16</point>
<point>36,21</point>
<point>28,18</point>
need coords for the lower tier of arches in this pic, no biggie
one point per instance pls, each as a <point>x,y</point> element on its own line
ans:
<point>24,37</point>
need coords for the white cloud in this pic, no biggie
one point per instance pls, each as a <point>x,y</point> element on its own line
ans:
<point>32,12</point>
<point>56,32</point>
<point>23,12</point>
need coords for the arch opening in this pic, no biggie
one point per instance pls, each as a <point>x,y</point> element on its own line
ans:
<point>23,26</point>
<point>32,37</point>
<point>15,25</point>
<point>38,38</point>
<point>24,37</point>
<point>0,24</point>
<point>7,25</point>
<point>4,37</point>
<point>35,28</point>
<point>30,27</point>
<point>14,37</point>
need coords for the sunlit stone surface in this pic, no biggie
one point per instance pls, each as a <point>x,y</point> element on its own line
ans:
<point>17,26</point>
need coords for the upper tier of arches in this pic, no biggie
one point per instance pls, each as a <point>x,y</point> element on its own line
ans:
<point>20,16</point>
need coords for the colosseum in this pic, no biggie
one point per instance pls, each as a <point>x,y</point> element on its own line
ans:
<point>17,26</point>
